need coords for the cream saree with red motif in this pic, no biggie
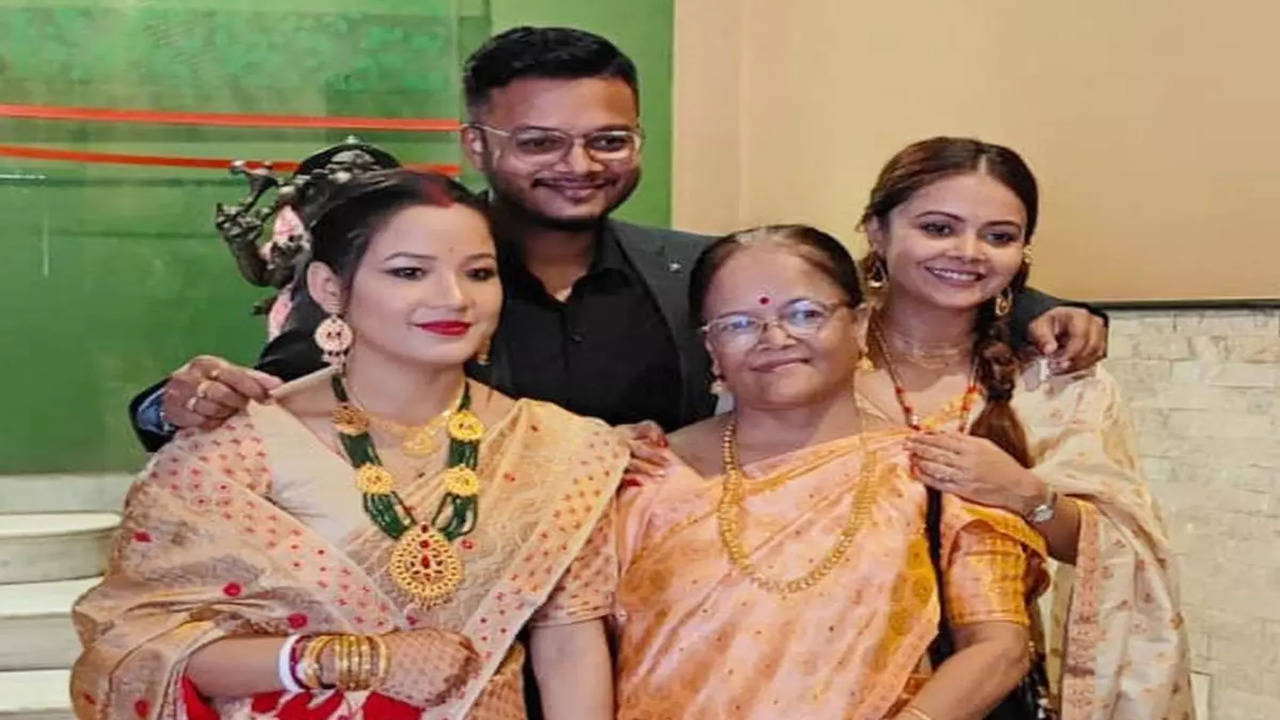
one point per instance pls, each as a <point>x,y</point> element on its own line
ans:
<point>256,528</point>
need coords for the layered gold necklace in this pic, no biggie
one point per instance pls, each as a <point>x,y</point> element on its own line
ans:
<point>731,507</point>
<point>423,561</point>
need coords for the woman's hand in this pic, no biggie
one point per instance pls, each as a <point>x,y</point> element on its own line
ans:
<point>976,469</point>
<point>427,665</point>
<point>649,458</point>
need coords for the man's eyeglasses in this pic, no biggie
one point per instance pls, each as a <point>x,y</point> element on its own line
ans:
<point>799,318</point>
<point>547,146</point>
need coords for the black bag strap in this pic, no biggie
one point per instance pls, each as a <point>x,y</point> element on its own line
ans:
<point>943,646</point>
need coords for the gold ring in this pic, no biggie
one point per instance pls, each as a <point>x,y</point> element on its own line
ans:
<point>202,390</point>
<point>191,403</point>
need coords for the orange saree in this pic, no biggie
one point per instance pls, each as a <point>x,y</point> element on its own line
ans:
<point>255,528</point>
<point>698,639</point>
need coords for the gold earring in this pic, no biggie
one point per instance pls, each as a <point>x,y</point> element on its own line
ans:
<point>334,337</point>
<point>1026,256</point>
<point>1004,302</point>
<point>482,355</point>
<point>878,275</point>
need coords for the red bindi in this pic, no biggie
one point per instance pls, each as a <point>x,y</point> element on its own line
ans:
<point>764,300</point>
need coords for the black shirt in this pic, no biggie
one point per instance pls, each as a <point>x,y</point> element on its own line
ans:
<point>605,352</point>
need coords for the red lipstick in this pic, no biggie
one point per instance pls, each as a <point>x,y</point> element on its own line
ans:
<point>448,328</point>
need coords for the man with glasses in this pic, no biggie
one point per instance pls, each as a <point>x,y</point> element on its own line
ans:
<point>596,316</point>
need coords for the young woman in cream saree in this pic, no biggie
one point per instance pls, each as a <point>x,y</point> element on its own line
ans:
<point>950,222</point>
<point>370,544</point>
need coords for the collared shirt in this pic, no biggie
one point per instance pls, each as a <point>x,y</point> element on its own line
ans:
<point>606,351</point>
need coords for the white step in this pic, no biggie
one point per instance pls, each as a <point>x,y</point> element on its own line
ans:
<point>35,695</point>
<point>35,622</point>
<point>88,492</point>
<point>36,547</point>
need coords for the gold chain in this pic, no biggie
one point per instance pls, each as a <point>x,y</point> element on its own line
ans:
<point>731,527</point>
<point>931,356</point>
<point>415,440</point>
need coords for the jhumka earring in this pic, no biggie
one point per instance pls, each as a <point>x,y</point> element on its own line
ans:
<point>718,387</point>
<point>482,355</point>
<point>1026,256</point>
<point>878,275</point>
<point>334,337</point>
<point>1004,302</point>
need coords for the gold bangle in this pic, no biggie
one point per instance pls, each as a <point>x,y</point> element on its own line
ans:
<point>337,662</point>
<point>922,715</point>
<point>329,645</point>
<point>366,665</point>
<point>359,675</point>
<point>381,662</point>
<point>344,664</point>
<point>309,661</point>
<point>353,662</point>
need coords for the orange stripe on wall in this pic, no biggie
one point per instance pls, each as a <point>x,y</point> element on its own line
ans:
<point>161,117</point>
<point>81,156</point>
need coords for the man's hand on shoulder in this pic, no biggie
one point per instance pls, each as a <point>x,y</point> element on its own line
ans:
<point>1071,337</point>
<point>207,390</point>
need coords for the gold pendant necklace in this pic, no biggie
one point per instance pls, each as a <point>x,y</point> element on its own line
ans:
<point>731,504</point>
<point>423,562</point>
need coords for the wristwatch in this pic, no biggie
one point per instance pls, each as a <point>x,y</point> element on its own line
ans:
<point>1043,512</point>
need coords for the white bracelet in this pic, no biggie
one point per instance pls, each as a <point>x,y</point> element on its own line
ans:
<point>284,666</point>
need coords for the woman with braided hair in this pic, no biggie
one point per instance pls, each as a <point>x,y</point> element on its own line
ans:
<point>950,223</point>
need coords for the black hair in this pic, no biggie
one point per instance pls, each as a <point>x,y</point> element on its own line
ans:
<point>356,210</point>
<point>546,52</point>
<point>814,246</point>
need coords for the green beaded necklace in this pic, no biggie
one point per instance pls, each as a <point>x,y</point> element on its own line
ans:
<point>424,562</point>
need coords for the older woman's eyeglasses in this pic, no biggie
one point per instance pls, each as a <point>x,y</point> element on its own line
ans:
<point>799,318</point>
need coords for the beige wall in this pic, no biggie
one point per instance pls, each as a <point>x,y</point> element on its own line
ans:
<point>1153,125</point>
<point>1204,388</point>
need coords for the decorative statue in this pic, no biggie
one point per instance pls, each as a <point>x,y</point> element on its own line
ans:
<point>275,262</point>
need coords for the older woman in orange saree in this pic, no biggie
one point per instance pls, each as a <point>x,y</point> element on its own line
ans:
<point>370,544</point>
<point>781,568</point>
